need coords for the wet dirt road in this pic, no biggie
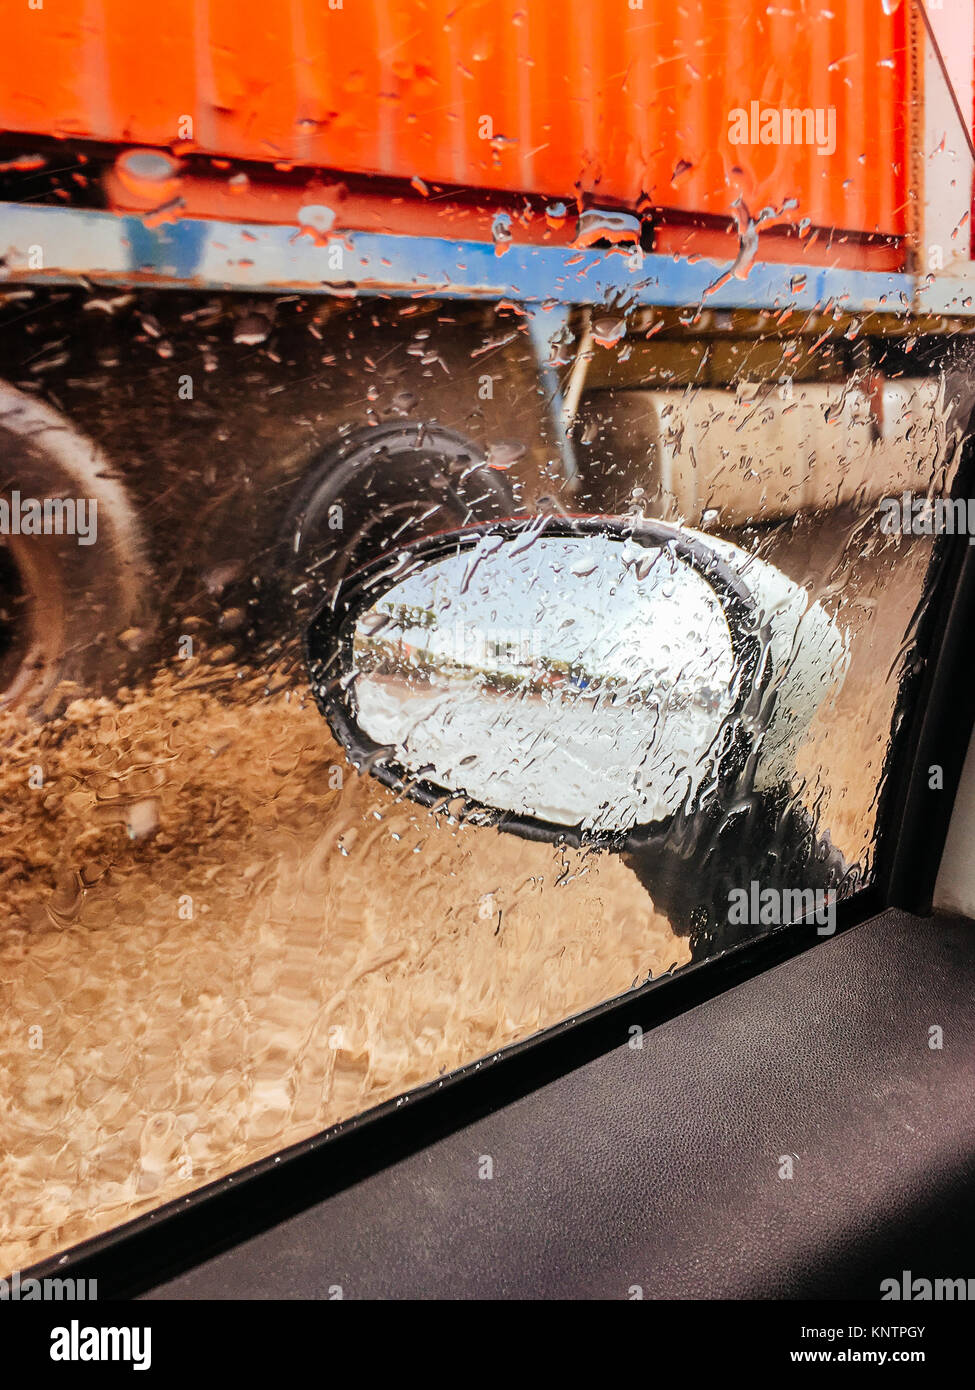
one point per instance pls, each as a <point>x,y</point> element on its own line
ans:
<point>210,950</point>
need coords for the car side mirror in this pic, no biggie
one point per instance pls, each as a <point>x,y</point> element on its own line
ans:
<point>595,681</point>
<point>579,677</point>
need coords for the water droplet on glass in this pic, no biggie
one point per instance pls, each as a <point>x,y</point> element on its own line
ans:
<point>501,227</point>
<point>607,331</point>
<point>251,329</point>
<point>504,453</point>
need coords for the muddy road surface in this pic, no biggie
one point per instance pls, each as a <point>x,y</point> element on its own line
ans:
<point>218,940</point>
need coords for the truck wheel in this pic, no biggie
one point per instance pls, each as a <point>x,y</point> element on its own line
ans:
<point>71,578</point>
<point>379,488</point>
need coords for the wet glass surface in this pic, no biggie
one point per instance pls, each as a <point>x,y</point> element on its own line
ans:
<point>217,937</point>
<point>219,934</point>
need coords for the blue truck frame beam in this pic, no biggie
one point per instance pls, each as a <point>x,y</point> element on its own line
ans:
<point>67,245</point>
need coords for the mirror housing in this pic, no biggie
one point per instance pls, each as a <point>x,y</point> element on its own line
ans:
<point>594,575</point>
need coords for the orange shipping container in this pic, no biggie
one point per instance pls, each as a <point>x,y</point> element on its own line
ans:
<point>616,100</point>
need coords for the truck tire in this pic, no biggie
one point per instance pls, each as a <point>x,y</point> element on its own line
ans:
<point>376,489</point>
<point>72,603</point>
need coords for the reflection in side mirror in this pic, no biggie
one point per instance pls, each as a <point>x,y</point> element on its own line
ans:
<point>585,675</point>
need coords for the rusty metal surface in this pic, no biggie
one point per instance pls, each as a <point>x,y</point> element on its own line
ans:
<point>590,97</point>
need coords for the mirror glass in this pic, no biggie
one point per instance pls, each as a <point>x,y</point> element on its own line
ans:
<point>582,680</point>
